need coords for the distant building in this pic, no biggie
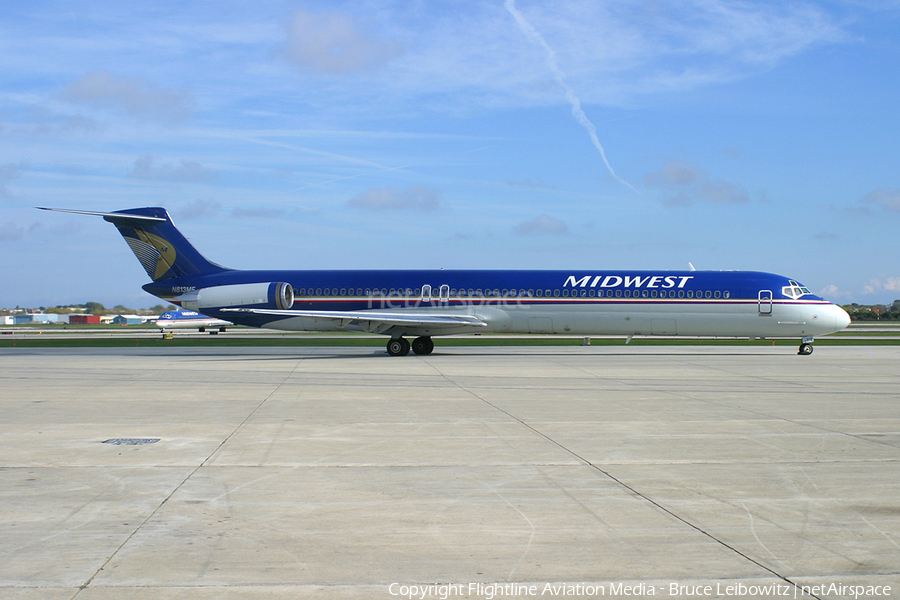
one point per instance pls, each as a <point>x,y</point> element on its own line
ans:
<point>84,319</point>
<point>128,320</point>
<point>23,319</point>
<point>7,320</point>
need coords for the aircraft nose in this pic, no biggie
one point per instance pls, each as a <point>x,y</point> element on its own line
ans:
<point>841,318</point>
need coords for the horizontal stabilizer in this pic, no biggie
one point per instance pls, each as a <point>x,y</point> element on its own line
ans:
<point>112,217</point>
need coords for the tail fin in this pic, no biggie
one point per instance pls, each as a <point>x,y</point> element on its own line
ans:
<point>162,250</point>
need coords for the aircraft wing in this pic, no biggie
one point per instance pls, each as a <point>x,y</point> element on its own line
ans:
<point>374,321</point>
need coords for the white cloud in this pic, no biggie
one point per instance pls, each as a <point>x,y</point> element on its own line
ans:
<point>144,168</point>
<point>674,172</point>
<point>415,198</point>
<point>258,212</point>
<point>200,209</point>
<point>610,51</point>
<point>833,292</point>
<point>884,198</point>
<point>10,232</point>
<point>333,43</point>
<point>542,225</point>
<point>530,184</point>
<point>138,97</point>
<point>8,172</point>
<point>882,284</point>
<point>689,183</point>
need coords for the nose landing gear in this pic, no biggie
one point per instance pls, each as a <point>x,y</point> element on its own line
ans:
<point>806,347</point>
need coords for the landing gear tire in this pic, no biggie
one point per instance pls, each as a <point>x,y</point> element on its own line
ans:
<point>805,350</point>
<point>422,345</point>
<point>398,347</point>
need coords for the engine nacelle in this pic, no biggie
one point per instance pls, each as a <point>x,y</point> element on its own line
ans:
<point>260,295</point>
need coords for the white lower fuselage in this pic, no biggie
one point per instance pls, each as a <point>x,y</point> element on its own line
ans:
<point>592,316</point>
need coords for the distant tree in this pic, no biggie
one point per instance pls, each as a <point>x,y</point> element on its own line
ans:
<point>94,308</point>
<point>158,309</point>
<point>121,310</point>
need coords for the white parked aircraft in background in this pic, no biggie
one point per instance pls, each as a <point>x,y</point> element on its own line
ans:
<point>180,319</point>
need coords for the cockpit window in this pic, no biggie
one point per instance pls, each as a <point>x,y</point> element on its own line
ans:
<point>794,290</point>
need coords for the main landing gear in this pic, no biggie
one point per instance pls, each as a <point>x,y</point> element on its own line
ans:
<point>400,347</point>
<point>805,347</point>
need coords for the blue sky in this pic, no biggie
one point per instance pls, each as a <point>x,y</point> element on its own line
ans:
<point>377,134</point>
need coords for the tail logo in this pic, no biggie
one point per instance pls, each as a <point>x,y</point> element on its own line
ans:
<point>156,254</point>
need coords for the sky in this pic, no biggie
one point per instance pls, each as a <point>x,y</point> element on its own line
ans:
<point>503,134</point>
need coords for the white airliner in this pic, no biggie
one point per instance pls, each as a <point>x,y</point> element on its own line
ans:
<point>422,304</point>
<point>180,319</point>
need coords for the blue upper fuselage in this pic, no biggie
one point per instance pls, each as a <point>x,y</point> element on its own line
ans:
<point>356,289</point>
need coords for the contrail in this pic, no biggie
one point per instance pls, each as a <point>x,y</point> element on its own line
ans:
<point>532,34</point>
